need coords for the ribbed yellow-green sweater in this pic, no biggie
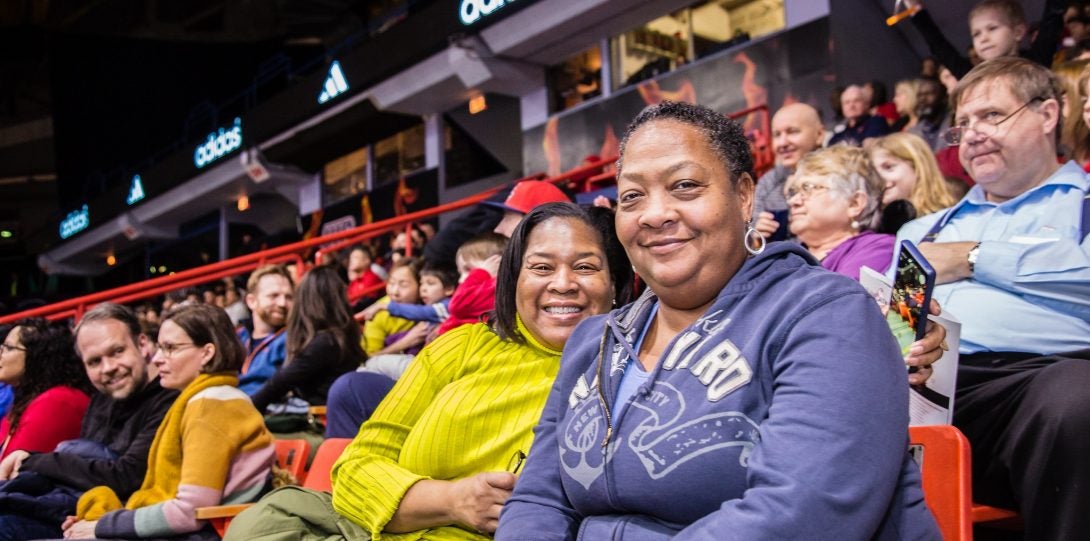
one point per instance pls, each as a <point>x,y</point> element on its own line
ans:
<point>467,403</point>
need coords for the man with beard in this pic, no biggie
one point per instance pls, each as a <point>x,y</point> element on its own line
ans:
<point>269,294</point>
<point>932,111</point>
<point>796,131</point>
<point>115,437</point>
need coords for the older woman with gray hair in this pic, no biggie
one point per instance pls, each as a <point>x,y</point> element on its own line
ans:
<point>835,201</point>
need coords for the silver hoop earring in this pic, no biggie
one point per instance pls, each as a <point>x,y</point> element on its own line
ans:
<point>752,232</point>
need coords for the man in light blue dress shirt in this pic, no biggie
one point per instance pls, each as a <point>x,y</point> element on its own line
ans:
<point>1013,265</point>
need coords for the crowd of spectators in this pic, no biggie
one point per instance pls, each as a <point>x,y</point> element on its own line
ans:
<point>744,383</point>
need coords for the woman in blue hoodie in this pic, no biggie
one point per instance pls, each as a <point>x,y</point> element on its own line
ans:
<point>748,394</point>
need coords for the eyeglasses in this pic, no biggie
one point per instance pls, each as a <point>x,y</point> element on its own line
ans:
<point>515,464</point>
<point>168,350</point>
<point>807,189</point>
<point>987,126</point>
<point>5,348</point>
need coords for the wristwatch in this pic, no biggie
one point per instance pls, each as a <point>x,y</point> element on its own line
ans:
<point>974,252</point>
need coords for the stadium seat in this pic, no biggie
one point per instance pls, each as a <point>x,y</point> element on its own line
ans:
<point>291,455</point>
<point>947,474</point>
<point>995,517</point>
<point>317,478</point>
<point>947,484</point>
<point>320,468</point>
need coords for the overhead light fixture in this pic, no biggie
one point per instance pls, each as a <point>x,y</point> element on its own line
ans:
<point>6,234</point>
<point>477,104</point>
<point>243,203</point>
<point>111,260</point>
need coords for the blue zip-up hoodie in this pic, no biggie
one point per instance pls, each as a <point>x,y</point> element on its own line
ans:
<point>782,413</point>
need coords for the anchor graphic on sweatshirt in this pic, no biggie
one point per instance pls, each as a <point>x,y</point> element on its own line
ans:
<point>662,445</point>
<point>583,435</point>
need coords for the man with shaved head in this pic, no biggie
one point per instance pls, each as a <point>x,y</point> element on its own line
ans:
<point>859,125</point>
<point>796,130</point>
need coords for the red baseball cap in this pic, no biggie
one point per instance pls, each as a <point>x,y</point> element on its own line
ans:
<point>530,193</point>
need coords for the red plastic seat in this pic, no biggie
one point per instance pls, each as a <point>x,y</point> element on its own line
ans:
<point>946,469</point>
<point>291,455</point>
<point>322,466</point>
<point>317,478</point>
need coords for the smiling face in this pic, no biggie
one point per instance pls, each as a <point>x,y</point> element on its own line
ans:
<point>1020,154</point>
<point>796,130</point>
<point>13,359</point>
<point>179,360</point>
<point>993,35</point>
<point>272,300</point>
<point>898,174</point>
<point>563,279</point>
<point>114,363</point>
<point>679,216</point>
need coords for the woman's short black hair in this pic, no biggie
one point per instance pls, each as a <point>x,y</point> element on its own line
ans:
<point>724,135</point>
<point>599,219</point>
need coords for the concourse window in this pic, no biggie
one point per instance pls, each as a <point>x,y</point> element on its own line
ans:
<point>345,176</point>
<point>575,80</point>
<point>399,154</point>
<point>671,41</point>
<point>722,24</point>
<point>657,47</point>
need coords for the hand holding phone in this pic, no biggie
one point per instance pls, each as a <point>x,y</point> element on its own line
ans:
<point>781,231</point>
<point>913,284</point>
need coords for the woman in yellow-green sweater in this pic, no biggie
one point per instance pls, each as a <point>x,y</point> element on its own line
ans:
<point>212,447</point>
<point>435,460</point>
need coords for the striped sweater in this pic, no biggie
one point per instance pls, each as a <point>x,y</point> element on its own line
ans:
<point>227,454</point>
<point>468,402</point>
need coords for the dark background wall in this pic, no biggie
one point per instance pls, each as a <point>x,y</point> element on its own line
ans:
<point>118,102</point>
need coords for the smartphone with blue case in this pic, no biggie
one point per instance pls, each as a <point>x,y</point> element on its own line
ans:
<point>913,284</point>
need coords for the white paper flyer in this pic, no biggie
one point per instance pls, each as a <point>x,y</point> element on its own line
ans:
<point>933,402</point>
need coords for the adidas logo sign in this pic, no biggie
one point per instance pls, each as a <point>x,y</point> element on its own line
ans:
<point>335,83</point>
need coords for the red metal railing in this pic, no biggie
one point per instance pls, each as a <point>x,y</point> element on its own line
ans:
<point>760,139</point>
<point>583,178</point>
<point>292,253</point>
<point>583,174</point>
